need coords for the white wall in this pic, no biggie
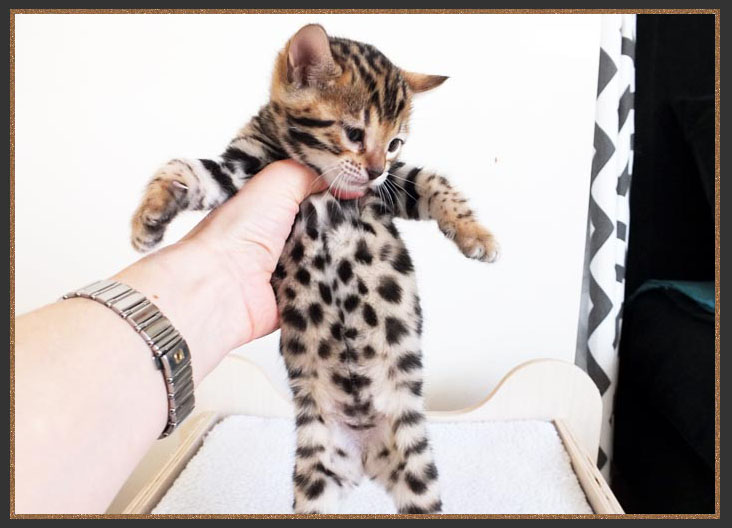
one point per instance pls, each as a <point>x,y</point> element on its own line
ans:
<point>103,100</point>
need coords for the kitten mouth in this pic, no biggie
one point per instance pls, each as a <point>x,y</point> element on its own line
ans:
<point>347,194</point>
<point>349,188</point>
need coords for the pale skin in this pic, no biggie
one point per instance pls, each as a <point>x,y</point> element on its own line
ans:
<point>88,401</point>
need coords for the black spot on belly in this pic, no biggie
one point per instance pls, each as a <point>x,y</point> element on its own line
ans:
<point>351,303</point>
<point>335,215</point>
<point>293,317</point>
<point>395,330</point>
<point>311,215</point>
<point>303,276</point>
<point>369,315</point>
<point>316,313</point>
<point>295,346</point>
<point>362,289</point>
<point>350,383</point>
<point>279,271</point>
<point>319,262</point>
<point>351,333</point>
<point>345,271</point>
<point>368,352</point>
<point>290,293</point>
<point>390,290</point>
<point>368,227</point>
<point>348,355</point>
<point>335,330</point>
<point>363,255</point>
<point>402,262</point>
<point>324,350</point>
<point>357,408</point>
<point>325,293</point>
<point>298,250</point>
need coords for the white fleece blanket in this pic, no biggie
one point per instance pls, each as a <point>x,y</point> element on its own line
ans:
<point>245,466</point>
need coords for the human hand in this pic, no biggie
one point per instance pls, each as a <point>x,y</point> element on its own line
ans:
<point>247,233</point>
<point>214,284</point>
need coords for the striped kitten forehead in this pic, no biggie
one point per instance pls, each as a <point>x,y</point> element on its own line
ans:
<point>370,84</point>
<point>343,102</point>
<point>360,88</point>
<point>344,78</point>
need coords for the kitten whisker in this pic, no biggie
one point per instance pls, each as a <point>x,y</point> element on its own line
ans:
<point>418,185</point>
<point>405,191</point>
<point>389,193</point>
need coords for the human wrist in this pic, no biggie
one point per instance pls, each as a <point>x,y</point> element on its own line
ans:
<point>194,291</point>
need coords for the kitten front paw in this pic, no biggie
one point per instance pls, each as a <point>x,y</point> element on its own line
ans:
<point>160,204</point>
<point>476,242</point>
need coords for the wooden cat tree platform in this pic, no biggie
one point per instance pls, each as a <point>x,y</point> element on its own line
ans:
<point>529,445</point>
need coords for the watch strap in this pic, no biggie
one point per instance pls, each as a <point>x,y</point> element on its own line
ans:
<point>170,350</point>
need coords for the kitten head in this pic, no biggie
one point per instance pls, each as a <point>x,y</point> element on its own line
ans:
<point>343,108</point>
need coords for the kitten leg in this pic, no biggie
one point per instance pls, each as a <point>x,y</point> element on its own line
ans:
<point>195,184</point>
<point>401,459</point>
<point>403,463</point>
<point>326,464</point>
<point>317,489</point>
<point>326,468</point>
<point>421,195</point>
<point>172,189</point>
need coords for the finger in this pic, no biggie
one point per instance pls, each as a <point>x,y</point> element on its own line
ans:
<point>286,179</point>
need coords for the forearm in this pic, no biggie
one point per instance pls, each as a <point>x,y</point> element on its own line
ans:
<point>89,401</point>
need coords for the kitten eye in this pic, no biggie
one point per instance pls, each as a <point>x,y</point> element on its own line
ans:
<point>395,144</point>
<point>354,134</point>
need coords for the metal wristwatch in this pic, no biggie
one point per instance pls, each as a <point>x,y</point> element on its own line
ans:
<point>170,351</point>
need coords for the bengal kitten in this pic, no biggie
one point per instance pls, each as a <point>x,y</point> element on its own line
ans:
<point>349,310</point>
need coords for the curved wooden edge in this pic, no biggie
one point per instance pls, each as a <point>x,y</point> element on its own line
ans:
<point>596,489</point>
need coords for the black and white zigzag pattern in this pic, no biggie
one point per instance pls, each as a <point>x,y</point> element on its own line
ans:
<point>607,231</point>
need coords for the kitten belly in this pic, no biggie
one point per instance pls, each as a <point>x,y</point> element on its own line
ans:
<point>349,307</point>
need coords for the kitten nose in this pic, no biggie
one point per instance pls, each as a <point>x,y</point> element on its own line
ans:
<point>374,172</point>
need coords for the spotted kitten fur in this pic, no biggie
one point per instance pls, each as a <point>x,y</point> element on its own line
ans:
<point>345,285</point>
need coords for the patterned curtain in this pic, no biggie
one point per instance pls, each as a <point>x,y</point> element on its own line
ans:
<point>603,285</point>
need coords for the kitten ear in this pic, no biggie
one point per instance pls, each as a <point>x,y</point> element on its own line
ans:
<point>421,82</point>
<point>308,56</point>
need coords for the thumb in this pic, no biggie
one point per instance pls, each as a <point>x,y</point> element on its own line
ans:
<point>264,210</point>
